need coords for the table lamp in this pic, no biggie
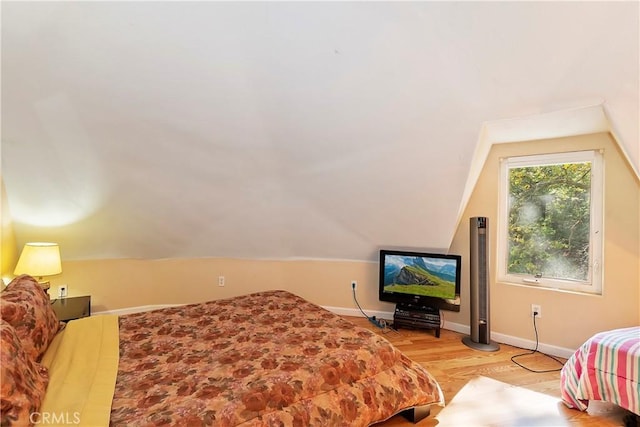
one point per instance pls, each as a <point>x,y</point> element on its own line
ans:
<point>39,259</point>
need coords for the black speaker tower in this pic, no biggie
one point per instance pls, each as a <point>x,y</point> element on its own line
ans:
<point>480,338</point>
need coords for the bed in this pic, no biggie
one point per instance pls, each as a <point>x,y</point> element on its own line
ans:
<point>268,358</point>
<point>606,367</point>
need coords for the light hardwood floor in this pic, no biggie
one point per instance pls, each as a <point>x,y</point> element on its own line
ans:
<point>453,364</point>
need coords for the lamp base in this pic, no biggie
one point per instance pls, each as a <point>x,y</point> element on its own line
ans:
<point>45,286</point>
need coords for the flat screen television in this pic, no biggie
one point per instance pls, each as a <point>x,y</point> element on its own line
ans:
<point>420,279</point>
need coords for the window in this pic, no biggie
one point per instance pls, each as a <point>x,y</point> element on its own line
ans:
<point>550,221</point>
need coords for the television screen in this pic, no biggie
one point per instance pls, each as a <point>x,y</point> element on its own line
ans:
<point>420,278</point>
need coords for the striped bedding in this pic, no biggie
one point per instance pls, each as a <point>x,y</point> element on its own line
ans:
<point>607,368</point>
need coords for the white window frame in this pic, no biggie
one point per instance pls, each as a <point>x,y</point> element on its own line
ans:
<point>593,283</point>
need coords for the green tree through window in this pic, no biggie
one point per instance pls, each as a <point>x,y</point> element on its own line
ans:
<point>549,220</point>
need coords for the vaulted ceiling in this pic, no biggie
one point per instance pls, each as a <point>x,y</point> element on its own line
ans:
<point>282,130</point>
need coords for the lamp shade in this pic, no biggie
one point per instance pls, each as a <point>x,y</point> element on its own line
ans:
<point>39,259</point>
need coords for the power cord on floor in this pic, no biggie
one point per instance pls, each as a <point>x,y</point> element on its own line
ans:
<point>535,350</point>
<point>380,323</point>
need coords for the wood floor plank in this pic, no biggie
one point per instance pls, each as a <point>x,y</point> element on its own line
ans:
<point>454,364</point>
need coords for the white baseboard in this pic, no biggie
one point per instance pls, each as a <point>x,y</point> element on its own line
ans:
<point>530,345</point>
<point>387,315</point>
<point>466,329</point>
<point>354,312</point>
<point>515,341</point>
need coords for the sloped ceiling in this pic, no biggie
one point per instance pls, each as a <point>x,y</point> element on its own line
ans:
<point>282,130</point>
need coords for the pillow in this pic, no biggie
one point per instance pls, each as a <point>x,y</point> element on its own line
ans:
<point>26,307</point>
<point>24,381</point>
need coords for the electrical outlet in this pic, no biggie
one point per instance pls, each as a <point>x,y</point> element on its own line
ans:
<point>220,280</point>
<point>537,309</point>
<point>62,291</point>
<point>354,284</point>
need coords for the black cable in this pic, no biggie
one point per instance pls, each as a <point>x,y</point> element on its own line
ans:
<point>379,323</point>
<point>356,301</point>
<point>535,350</point>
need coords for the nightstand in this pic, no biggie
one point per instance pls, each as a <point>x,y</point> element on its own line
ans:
<point>71,308</point>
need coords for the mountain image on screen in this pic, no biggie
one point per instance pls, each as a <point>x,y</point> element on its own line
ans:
<point>419,275</point>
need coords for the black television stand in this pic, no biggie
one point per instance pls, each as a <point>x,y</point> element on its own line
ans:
<point>418,317</point>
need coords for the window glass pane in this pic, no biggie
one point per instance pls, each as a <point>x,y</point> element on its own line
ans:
<point>549,221</point>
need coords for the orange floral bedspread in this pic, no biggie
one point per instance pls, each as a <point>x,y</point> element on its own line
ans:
<point>269,358</point>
